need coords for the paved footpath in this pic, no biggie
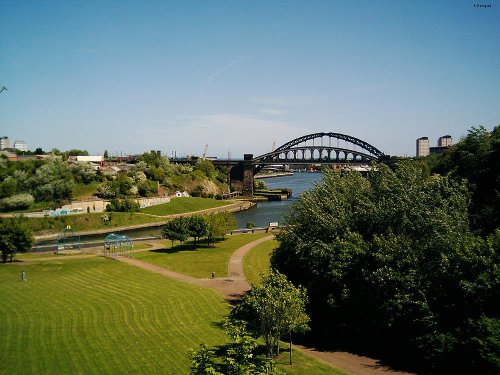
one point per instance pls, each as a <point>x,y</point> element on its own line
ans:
<point>236,285</point>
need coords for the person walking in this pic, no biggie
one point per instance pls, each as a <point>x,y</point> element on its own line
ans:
<point>23,277</point>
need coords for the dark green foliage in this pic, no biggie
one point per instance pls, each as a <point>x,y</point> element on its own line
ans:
<point>476,158</point>
<point>147,188</point>
<point>198,227</point>
<point>16,202</point>
<point>15,237</point>
<point>205,166</point>
<point>238,357</point>
<point>391,266</point>
<point>219,224</point>
<point>176,230</point>
<point>123,205</point>
<point>47,181</point>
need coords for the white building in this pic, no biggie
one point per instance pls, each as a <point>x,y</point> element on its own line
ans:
<point>4,142</point>
<point>423,146</point>
<point>21,146</point>
<point>95,161</point>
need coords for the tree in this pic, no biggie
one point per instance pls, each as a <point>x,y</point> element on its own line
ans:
<point>16,202</point>
<point>123,205</point>
<point>176,230</point>
<point>219,224</point>
<point>279,308</point>
<point>198,227</point>
<point>15,237</point>
<point>238,357</point>
<point>475,159</point>
<point>391,265</point>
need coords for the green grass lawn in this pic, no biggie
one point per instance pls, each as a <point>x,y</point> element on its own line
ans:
<point>201,262</point>
<point>256,262</point>
<point>82,191</point>
<point>35,255</point>
<point>98,316</point>
<point>183,205</point>
<point>304,364</point>
<point>87,222</point>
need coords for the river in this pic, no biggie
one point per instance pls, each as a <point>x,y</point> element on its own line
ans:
<point>261,214</point>
<point>266,212</point>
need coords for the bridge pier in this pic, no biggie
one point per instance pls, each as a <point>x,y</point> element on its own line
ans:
<point>241,176</point>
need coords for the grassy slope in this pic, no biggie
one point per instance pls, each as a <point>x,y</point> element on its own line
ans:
<point>93,221</point>
<point>198,263</point>
<point>184,204</point>
<point>85,222</point>
<point>83,191</point>
<point>97,316</point>
<point>256,262</point>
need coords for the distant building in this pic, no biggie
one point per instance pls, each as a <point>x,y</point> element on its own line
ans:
<point>4,142</point>
<point>423,146</point>
<point>445,141</point>
<point>21,146</point>
<point>95,161</point>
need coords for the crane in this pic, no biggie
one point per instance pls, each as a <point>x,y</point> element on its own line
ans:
<point>205,152</point>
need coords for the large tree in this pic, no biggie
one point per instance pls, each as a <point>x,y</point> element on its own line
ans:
<point>219,224</point>
<point>390,264</point>
<point>15,237</point>
<point>176,230</point>
<point>476,158</point>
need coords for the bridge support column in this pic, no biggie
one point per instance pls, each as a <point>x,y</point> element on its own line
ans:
<point>247,175</point>
<point>241,176</point>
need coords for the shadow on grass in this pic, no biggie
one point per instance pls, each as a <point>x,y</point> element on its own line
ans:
<point>187,246</point>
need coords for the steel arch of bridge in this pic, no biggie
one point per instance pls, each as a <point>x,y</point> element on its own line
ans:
<point>297,151</point>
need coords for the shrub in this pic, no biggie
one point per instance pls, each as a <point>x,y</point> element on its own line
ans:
<point>16,202</point>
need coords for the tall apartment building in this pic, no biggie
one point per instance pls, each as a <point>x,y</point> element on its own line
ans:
<point>423,146</point>
<point>4,142</point>
<point>445,141</point>
<point>21,146</point>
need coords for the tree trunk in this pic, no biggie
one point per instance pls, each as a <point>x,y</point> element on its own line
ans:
<point>290,348</point>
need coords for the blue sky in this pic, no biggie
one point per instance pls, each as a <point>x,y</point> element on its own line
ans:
<point>238,76</point>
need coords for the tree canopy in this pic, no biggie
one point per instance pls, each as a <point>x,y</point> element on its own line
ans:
<point>275,309</point>
<point>15,237</point>
<point>476,159</point>
<point>390,264</point>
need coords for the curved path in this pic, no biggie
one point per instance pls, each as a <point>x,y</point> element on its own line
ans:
<point>236,285</point>
<point>232,287</point>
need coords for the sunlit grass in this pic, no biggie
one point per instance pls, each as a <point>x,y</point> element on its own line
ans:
<point>256,262</point>
<point>98,316</point>
<point>184,204</point>
<point>198,263</point>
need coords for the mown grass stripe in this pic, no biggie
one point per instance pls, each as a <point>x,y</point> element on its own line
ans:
<point>100,316</point>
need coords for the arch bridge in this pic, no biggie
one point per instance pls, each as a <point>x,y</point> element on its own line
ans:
<point>317,148</point>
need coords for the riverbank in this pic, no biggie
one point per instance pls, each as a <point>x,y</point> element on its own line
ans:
<point>271,175</point>
<point>234,207</point>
